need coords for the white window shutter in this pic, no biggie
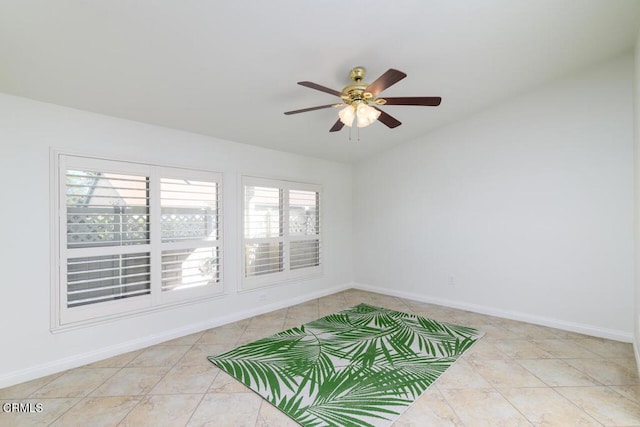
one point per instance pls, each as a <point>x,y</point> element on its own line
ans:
<point>132,237</point>
<point>281,231</point>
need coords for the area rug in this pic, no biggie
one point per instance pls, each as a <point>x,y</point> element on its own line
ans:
<point>363,366</point>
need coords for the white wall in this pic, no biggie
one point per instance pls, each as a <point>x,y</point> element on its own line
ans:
<point>27,132</point>
<point>528,207</point>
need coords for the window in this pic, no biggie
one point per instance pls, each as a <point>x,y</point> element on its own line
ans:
<point>132,237</point>
<point>281,230</point>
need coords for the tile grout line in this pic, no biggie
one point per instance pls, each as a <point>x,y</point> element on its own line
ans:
<point>449,405</point>
<point>82,398</point>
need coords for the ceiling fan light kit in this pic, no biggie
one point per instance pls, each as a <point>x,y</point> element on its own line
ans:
<point>364,114</point>
<point>361,103</point>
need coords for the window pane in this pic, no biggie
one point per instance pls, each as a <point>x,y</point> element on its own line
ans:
<point>263,258</point>
<point>303,213</point>
<point>188,268</point>
<point>305,253</point>
<point>189,210</point>
<point>262,207</point>
<point>105,209</point>
<point>97,279</point>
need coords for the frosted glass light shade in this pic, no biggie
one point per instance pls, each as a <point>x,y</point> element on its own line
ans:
<point>363,113</point>
<point>366,115</point>
<point>347,114</point>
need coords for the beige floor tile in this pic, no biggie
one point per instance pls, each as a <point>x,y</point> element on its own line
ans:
<point>307,309</point>
<point>251,335</point>
<point>473,320</point>
<point>224,335</point>
<point>505,373</point>
<point>545,407</point>
<point>564,349</point>
<point>97,412</point>
<point>50,410</point>
<point>163,410</point>
<point>225,383</point>
<point>131,381</point>
<point>627,363</point>
<point>271,321</point>
<point>505,323</point>
<point>605,371</point>
<point>453,319</point>
<point>462,375</point>
<point>497,332</point>
<point>160,356</point>
<point>418,305</point>
<point>356,294</point>
<point>431,409</point>
<point>75,383</point>
<point>23,390</point>
<point>521,349</point>
<point>294,322</point>
<point>556,372</point>
<point>262,331</point>
<point>186,379</point>
<point>629,391</point>
<point>270,416</point>
<point>333,304</point>
<point>569,335</point>
<point>433,311</point>
<point>606,348</point>
<point>604,404</point>
<point>335,299</point>
<point>483,407</point>
<point>531,331</point>
<point>484,349</point>
<point>197,355</point>
<point>227,409</point>
<point>242,324</point>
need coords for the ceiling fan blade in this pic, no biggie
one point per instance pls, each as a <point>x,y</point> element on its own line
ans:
<point>336,126</point>
<point>320,88</point>
<point>387,120</point>
<point>429,101</point>
<point>390,77</point>
<point>304,110</point>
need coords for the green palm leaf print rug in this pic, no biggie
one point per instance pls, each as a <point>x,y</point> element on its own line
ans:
<point>363,366</point>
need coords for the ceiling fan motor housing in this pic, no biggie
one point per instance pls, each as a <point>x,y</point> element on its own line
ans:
<point>355,92</point>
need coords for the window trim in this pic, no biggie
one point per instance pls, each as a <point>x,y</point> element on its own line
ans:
<point>63,318</point>
<point>287,275</point>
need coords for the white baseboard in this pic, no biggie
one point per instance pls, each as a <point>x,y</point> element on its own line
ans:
<point>581,328</point>
<point>75,361</point>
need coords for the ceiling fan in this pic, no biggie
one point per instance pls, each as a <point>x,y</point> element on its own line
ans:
<point>361,100</point>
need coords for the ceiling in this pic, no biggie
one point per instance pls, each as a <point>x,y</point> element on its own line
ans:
<point>229,68</point>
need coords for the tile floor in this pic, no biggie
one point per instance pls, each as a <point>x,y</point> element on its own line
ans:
<point>518,374</point>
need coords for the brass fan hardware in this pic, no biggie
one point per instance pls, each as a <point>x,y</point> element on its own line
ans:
<point>358,96</point>
<point>355,92</point>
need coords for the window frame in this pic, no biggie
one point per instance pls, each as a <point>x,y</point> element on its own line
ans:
<point>64,317</point>
<point>287,275</point>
